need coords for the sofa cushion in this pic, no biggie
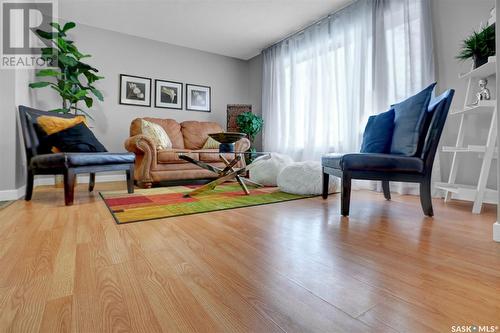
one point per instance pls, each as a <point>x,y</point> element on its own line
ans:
<point>373,162</point>
<point>409,122</point>
<point>211,144</point>
<point>78,138</point>
<point>170,126</point>
<point>67,160</point>
<point>196,133</point>
<point>51,125</point>
<point>157,134</point>
<point>378,133</point>
<point>172,156</point>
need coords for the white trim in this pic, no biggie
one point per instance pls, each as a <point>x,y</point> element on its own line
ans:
<point>50,180</point>
<point>496,232</point>
<point>8,195</point>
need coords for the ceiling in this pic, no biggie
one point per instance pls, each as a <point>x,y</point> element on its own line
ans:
<point>235,28</point>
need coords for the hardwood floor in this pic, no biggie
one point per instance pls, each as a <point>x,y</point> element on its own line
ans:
<point>294,267</point>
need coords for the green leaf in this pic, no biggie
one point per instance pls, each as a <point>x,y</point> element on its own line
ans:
<point>69,26</point>
<point>39,84</point>
<point>89,101</point>
<point>80,94</point>
<point>56,26</point>
<point>97,94</point>
<point>45,34</point>
<point>47,72</point>
<point>68,61</point>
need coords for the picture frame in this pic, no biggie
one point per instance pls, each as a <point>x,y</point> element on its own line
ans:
<point>168,94</point>
<point>198,98</point>
<point>135,90</point>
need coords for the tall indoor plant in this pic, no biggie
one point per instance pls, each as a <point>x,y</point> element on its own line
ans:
<point>72,78</point>
<point>479,46</point>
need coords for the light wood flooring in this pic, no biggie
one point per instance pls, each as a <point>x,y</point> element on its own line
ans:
<point>288,267</point>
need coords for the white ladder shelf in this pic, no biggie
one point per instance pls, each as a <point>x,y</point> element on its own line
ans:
<point>480,193</point>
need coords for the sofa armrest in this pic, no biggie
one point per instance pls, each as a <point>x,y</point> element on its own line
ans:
<point>140,144</point>
<point>146,155</point>
<point>242,145</point>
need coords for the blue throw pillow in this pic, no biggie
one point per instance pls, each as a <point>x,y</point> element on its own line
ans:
<point>409,122</point>
<point>378,133</point>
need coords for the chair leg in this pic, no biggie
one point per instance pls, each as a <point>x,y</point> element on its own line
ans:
<point>69,187</point>
<point>345,195</point>
<point>326,182</point>
<point>426,197</point>
<point>30,178</point>
<point>130,179</point>
<point>386,189</point>
<point>91,181</point>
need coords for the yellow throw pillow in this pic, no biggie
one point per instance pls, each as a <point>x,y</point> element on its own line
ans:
<point>157,134</point>
<point>51,125</point>
<point>211,144</point>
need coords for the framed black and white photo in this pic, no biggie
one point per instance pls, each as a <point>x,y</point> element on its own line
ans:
<point>168,94</point>
<point>198,98</point>
<point>135,90</point>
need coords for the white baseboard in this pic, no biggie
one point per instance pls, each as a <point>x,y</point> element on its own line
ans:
<point>496,232</point>
<point>8,195</point>
<point>18,193</point>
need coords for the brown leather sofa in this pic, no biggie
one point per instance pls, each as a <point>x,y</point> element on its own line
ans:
<point>153,166</point>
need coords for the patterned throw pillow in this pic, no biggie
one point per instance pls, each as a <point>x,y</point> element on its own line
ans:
<point>51,125</point>
<point>157,134</point>
<point>211,144</point>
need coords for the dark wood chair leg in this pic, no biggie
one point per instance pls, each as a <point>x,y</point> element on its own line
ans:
<point>326,181</point>
<point>345,194</point>
<point>426,197</point>
<point>30,178</point>
<point>130,179</point>
<point>91,181</point>
<point>69,187</point>
<point>386,189</point>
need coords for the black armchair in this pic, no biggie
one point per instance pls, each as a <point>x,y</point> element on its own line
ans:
<point>67,164</point>
<point>388,167</point>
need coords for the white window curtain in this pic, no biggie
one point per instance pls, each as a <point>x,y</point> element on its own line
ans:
<point>321,85</point>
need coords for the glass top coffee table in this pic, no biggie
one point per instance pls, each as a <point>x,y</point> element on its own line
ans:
<point>230,172</point>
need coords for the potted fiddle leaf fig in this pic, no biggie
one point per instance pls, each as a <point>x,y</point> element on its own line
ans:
<point>72,79</point>
<point>479,46</point>
<point>251,125</point>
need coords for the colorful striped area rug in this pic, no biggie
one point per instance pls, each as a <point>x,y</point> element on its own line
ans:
<point>163,202</point>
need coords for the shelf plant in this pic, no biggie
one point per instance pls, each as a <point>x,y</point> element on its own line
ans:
<point>72,79</point>
<point>478,46</point>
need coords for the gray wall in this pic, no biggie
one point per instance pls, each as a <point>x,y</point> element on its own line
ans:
<point>453,21</point>
<point>7,130</point>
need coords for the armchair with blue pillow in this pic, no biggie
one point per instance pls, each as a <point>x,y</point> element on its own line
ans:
<point>398,145</point>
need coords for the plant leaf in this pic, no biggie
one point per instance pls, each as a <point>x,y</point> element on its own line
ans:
<point>47,72</point>
<point>39,84</point>
<point>45,34</point>
<point>68,26</point>
<point>97,94</point>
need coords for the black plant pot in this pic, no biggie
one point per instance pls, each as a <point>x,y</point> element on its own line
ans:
<point>479,61</point>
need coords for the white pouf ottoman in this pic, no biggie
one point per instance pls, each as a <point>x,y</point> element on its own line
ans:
<point>305,178</point>
<point>265,172</point>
